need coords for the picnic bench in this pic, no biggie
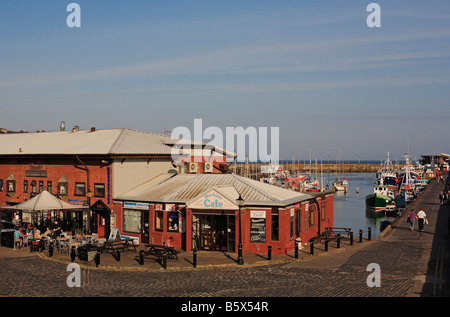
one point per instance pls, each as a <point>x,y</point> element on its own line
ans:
<point>331,233</point>
<point>118,245</point>
<point>160,251</point>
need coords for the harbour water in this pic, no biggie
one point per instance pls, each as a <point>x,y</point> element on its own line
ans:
<point>350,207</point>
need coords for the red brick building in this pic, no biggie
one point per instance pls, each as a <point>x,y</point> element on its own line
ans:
<point>88,167</point>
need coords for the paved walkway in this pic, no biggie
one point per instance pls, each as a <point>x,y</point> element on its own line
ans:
<point>411,263</point>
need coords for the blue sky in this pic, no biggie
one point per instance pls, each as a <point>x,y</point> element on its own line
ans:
<point>312,68</point>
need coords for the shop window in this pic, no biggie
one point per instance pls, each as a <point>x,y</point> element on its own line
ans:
<point>159,220</point>
<point>275,227</point>
<point>25,186</point>
<point>172,221</point>
<point>132,220</point>
<point>99,190</point>
<point>80,189</point>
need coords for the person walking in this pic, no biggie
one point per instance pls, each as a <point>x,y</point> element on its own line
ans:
<point>422,217</point>
<point>441,197</point>
<point>411,219</point>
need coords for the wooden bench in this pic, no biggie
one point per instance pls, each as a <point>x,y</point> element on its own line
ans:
<point>331,233</point>
<point>160,251</point>
<point>118,245</point>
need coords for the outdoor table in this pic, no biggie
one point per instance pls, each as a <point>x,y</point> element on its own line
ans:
<point>122,244</point>
<point>161,250</point>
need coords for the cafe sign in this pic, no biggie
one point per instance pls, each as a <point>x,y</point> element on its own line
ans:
<point>35,171</point>
<point>212,200</point>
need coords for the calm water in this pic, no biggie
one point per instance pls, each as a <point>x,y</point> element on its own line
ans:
<point>350,208</point>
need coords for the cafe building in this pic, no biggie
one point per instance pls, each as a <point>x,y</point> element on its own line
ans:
<point>208,211</point>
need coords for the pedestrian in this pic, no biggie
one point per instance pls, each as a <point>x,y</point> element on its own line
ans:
<point>441,197</point>
<point>422,217</point>
<point>411,219</point>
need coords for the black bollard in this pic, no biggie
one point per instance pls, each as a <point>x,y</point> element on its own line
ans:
<point>97,258</point>
<point>269,252</point>
<point>72,254</point>
<point>312,248</point>
<point>296,250</point>
<point>164,260</point>
<point>50,249</point>
<point>194,254</point>
<point>326,245</point>
<point>338,241</point>
<point>118,255</point>
<point>360,236</point>
<point>141,257</point>
<point>351,238</point>
<point>369,233</point>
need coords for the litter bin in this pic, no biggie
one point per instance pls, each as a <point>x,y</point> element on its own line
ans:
<point>87,252</point>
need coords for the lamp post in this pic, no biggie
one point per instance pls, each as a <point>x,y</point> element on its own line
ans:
<point>240,203</point>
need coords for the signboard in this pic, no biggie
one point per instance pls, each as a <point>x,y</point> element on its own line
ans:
<point>212,200</point>
<point>258,226</point>
<point>114,235</point>
<point>135,205</point>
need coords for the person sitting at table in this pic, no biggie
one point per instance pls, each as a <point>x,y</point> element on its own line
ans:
<point>168,241</point>
<point>47,232</point>
<point>36,233</point>
<point>18,236</point>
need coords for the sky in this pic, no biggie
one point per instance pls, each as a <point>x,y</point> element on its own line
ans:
<point>313,69</point>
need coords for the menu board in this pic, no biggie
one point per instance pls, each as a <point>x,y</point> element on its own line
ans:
<point>258,227</point>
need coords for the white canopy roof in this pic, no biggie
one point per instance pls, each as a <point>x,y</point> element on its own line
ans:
<point>44,201</point>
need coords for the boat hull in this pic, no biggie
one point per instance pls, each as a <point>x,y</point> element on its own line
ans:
<point>377,202</point>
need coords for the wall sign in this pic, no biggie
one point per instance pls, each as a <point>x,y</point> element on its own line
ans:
<point>135,205</point>
<point>257,226</point>
<point>212,200</point>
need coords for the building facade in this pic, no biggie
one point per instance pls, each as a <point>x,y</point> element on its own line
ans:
<point>85,167</point>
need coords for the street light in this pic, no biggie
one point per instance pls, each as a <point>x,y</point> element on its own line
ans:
<point>240,203</point>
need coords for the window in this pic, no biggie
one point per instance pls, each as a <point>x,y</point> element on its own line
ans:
<point>99,190</point>
<point>132,220</point>
<point>291,224</point>
<point>275,226</point>
<point>1,185</point>
<point>80,189</point>
<point>311,215</point>
<point>25,186</point>
<point>41,186</point>
<point>11,185</point>
<point>62,188</point>
<point>159,220</point>
<point>49,186</point>
<point>33,187</point>
<point>322,210</point>
<point>172,221</point>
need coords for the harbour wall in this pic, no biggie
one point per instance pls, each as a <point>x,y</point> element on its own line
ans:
<point>252,169</point>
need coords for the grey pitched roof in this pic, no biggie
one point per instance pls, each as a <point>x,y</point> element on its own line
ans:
<point>182,188</point>
<point>108,141</point>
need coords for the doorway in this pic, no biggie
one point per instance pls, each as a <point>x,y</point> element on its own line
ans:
<point>214,232</point>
